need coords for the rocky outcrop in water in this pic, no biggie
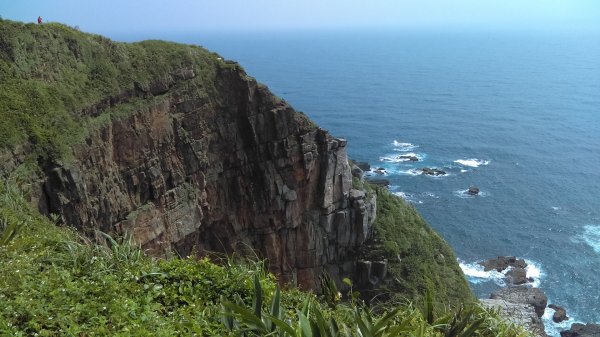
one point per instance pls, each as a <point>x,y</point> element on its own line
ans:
<point>560,313</point>
<point>432,171</point>
<point>502,262</point>
<point>518,303</point>
<point>473,190</point>
<point>582,330</point>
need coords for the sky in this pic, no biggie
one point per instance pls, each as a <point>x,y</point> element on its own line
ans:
<point>115,17</point>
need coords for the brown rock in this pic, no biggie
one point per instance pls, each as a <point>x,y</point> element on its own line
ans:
<point>560,313</point>
<point>224,172</point>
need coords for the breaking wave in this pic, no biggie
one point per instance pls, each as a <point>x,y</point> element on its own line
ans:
<point>473,162</point>
<point>403,147</point>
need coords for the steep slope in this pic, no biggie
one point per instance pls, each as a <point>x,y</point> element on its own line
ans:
<point>178,147</point>
<point>183,150</point>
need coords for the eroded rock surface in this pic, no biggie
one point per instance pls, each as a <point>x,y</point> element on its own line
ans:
<point>518,313</point>
<point>523,295</point>
<point>232,170</point>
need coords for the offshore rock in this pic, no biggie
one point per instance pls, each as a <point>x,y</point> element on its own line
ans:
<point>502,262</point>
<point>432,171</point>
<point>191,173</point>
<point>560,313</point>
<point>473,190</point>
<point>582,330</point>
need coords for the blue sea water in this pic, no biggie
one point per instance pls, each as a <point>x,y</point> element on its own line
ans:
<point>516,115</point>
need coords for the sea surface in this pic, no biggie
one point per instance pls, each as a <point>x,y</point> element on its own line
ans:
<point>517,115</point>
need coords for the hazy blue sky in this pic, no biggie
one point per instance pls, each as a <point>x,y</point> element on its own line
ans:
<point>148,16</point>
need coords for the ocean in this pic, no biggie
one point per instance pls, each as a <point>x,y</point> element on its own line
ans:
<point>517,115</point>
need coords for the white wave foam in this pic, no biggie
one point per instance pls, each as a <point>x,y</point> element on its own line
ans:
<point>401,194</point>
<point>472,162</point>
<point>403,147</point>
<point>464,194</point>
<point>591,237</point>
<point>463,171</point>
<point>535,272</point>
<point>405,157</point>
<point>407,197</point>
<point>553,329</point>
<point>476,274</point>
<point>411,172</point>
<point>430,195</point>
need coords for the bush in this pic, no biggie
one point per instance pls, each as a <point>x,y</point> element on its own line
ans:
<point>418,258</point>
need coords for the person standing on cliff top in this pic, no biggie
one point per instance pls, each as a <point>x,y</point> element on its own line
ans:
<point>39,20</point>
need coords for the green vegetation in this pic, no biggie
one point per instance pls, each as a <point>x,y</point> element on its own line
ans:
<point>50,73</point>
<point>57,283</point>
<point>419,259</point>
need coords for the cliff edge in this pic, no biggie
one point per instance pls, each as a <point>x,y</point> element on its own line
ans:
<point>179,148</point>
<point>190,155</point>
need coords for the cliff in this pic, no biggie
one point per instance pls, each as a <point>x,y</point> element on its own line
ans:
<point>190,155</point>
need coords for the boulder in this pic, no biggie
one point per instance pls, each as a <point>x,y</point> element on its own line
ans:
<point>409,157</point>
<point>517,313</point>
<point>517,276</point>
<point>560,313</point>
<point>523,295</point>
<point>432,171</point>
<point>502,262</point>
<point>473,190</point>
<point>582,330</point>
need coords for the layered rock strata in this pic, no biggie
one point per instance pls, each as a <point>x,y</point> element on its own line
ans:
<point>237,170</point>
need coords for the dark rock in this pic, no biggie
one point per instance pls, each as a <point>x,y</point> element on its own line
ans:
<point>502,262</point>
<point>379,182</point>
<point>432,171</point>
<point>409,157</point>
<point>357,172</point>
<point>560,313</point>
<point>517,276</point>
<point>524,295</point>
<point>380,170</point>
<point>363,165</point>
<point>582,330</point>
<point>473,190</point>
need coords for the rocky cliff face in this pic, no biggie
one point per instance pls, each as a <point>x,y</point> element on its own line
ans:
<point>238,169</point>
